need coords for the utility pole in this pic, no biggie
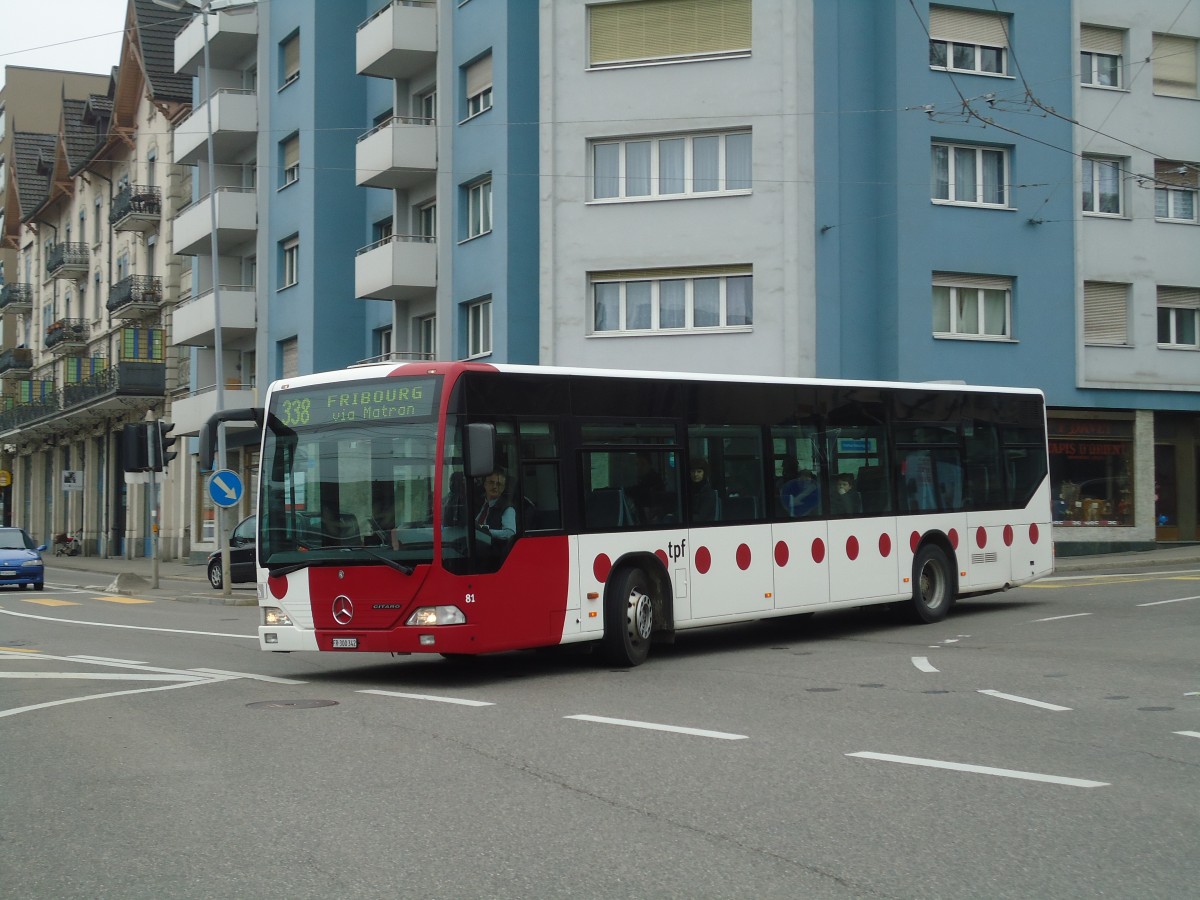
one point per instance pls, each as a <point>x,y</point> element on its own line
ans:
<point>152,452</point>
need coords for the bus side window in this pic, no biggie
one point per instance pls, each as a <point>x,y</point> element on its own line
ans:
<point>541,507</point>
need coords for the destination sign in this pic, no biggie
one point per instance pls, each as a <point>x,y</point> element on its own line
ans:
<point>378,400</point>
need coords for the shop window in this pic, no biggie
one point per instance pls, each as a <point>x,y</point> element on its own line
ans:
<point>1091,471</point>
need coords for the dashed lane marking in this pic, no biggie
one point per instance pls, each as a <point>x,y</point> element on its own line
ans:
<point>981,770</point>
<point>923,663</point>
<point>1040,704</point>
<point>455,700</point>
<point>655,726</point>
<point>1163,602</point>
<point>1057,618</point>
<point>1195,734</point>
<point>50,601</point>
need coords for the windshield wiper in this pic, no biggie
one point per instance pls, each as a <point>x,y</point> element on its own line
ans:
<point>280,571</point>
<point>398,566</point>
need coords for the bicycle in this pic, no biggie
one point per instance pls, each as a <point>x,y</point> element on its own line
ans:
<point>67,545</point>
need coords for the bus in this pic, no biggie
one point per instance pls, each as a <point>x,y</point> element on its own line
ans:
<point>632,505</point>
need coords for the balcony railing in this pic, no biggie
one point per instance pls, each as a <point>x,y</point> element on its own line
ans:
<point>68,258</point>
<point>136,207</point>
<point>16,359</point>
<point>126,379</point>
<point>67,331</point>
<point>135,293</point>
<point>16,298</point>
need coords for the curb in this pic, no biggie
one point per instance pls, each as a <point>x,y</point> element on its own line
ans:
<point>216,599</point>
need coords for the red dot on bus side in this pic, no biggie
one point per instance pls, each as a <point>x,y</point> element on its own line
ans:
<point>981,537</point>
<point>703,560</point>
<point>601,567</point>
<point>278,587</point>
<point>662,556</point>
<point>743,557</point>
<point>781,553</point>
<point>818,551</point>
<point>1008,535</point>
<point>885,545</point>
<point>914,541</point>
<point>852,547</point>
<point>1033,533</point>
<point>953,538</point>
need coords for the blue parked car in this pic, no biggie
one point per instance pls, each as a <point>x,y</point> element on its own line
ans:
<point>20,559</point>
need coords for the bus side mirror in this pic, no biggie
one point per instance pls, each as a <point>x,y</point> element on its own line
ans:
<point>481,449</point>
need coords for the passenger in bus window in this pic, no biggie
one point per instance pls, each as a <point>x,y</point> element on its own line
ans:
<point>845,500</point>
<point>705,502</point>
<point>800,495</point>
<point>496,517</point>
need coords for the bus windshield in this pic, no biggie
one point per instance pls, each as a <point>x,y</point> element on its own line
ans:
<point>347,469</point>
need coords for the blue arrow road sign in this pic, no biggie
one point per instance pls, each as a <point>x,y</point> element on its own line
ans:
<point>225,487</point>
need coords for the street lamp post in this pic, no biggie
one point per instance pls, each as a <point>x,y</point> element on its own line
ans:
<point>204,8</point>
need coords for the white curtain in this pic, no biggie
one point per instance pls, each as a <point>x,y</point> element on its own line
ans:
<point>738,162</point>
<point>637,169</point>
<point>606,170</point>
<point>670,166</point>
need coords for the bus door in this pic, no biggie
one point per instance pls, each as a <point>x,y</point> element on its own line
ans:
<point>729,531</point>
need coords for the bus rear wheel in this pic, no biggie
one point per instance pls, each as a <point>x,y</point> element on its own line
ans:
<point>628,619</point>
<point>933,585</point>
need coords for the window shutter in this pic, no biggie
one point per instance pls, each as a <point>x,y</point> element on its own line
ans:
<point>479,76</point>
<point>289,352</point>
<point>984,282</point>
<point>1174,65</point>
<point>1102,40</point>
<point>291,152</point>
<point>1179,297</point>
<point>1105,312</point>
<point>291,57</point>
<point>1168,172</point>
<point>678,272</point>
<point>967,26</point>
<point>665,29</point>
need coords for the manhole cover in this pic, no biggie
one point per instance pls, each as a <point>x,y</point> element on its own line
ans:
<point>290,704</point>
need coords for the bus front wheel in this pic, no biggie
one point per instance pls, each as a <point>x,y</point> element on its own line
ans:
<point>933,585</point>
<point>628,619</point>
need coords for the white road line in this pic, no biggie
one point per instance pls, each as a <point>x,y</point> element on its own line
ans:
<point>1161,602</point>
<point>9,612</point>
<point>271,678</point>
<point>457,700</point>
<point>53,703</point>
<point>105,676</point>
<point>923,663</point>
<point>982,770</point>
<point>652,726</point>
<point>109,659</point>
<point>1195,734</point>
<point>1026,700</point>
<point>1056,618</point>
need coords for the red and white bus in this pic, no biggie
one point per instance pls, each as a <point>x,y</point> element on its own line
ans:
<point>635,505</point>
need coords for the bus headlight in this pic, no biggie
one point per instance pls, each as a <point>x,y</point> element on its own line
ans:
<point>273,615</point>
<point>437,615</point>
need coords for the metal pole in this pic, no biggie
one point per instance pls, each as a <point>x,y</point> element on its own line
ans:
<point>151,450</point>
<point>218,341</point>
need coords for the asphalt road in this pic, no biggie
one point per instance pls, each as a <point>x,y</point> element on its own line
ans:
<point>1041,743</point>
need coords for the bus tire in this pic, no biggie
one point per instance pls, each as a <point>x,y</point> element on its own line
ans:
<point>933,585</point>
<point>628,618</point>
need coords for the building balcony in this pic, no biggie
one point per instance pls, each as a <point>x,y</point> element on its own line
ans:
<point>16,298</point>
<point>68,410</point>
<point>401,267</point>
<point>68,260</point>
<point>136,207</point>
<point>191,411</point>
<point>234,124</point>
<point>16,362</point>
<point>231,38</point>
<point>192,323</point>
<point>67,337</point>
<point>237,221</point>
<point>398,41</point>
<point>397,153</point>
<point>136,297</point>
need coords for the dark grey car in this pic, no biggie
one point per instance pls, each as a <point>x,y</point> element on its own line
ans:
<point>241,555</point>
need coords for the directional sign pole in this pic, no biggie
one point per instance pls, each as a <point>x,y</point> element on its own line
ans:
<point>225,490</point>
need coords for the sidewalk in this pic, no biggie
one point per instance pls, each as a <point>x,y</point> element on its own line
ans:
<point>1165,556</point>
<point>177,580</point>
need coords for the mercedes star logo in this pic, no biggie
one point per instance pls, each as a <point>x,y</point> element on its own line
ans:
<point>343,609</point>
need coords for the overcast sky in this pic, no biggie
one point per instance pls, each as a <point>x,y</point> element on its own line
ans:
<point>74,35</point>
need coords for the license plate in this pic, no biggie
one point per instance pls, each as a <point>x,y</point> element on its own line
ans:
<point>7,572</point>
<point>345,643</point>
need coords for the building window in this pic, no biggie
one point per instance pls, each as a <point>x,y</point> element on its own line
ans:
<point>972,306</point>
<point>1101,56</point>
<point>427,337</point>
<point>1179,317</point>
<point>1175,185</point>
<point>427,107</point>
<point>96,297</point>
<point>383,229</point>
<point>289,158</point>
<point>96,220</point>
<point>289,60</point>
<point>383,343</point>
<point>1091,471</point>
<point>289,358</point>
<point>1105,313</point>
<point>1101,179</point>
<point>672,300</point>
<point>656,31</point>
<point>289,273</point>
<point>479,86</point>
<point>479,208</point>
<point>1174,61</point>
<point>479,328</point>
<point>671,166</point>
<point>972,176</point>
<point>426,220</point>
<point>962,40</point>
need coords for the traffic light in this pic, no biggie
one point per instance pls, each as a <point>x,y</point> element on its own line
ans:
<point>163,452</point>
<point>134,455</point>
